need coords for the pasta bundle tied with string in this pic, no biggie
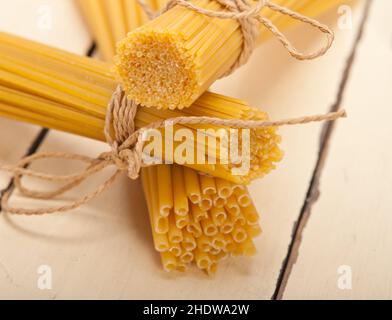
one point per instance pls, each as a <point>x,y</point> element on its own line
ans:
<point>170,61</point>
<point>41,80</point>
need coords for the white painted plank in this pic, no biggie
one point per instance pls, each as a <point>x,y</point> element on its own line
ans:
<point>349,230</point>
<point>110,255</point>
<point>15,139</point>
<point>54,22</point>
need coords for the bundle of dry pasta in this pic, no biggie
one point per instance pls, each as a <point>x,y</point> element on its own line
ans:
<point>197,218</point>
<point>170,61</point>
<point>72,92</point>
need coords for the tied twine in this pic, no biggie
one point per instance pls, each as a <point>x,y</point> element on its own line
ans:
<point>249,18</point>
<point>125,155</point>
<point>127,143</point>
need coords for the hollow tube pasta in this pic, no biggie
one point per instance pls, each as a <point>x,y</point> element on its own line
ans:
<point>209,228</point>
<point>181,221</point>
<point>203,260</point>
<point>232,206</point>
<point>204,243</point>
<point>206,203</point>
<point>165,195</point>
<point>224,188</point>
<point>181,205</point>
<point>218,216</point>
<point>194,228</point>
<point>198,213</point>
<point>175,249</point>
<point>239,235</point>
<point>243,198</point>
<point>219,201</point>
<point>208,186</point>
<point>169,261</point>
<point>251,215</point>
<point>174,233</point>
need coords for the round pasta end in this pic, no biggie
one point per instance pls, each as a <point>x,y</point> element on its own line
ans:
<point>156,70</point>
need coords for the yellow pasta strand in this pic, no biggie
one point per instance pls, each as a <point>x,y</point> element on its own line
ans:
<point>98,22</point>
<point>181,205</point>
<point>165,195</point>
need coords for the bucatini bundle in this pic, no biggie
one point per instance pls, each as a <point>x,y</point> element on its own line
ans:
<point>201,233</point>
<point>170,61</point>
<point>42,80</point>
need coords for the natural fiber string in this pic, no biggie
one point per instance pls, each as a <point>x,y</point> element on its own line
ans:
<point>125,155</point>
<point>248,16</point>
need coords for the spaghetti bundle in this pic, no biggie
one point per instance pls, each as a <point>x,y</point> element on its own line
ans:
<point>170,61</point>
<point>71,93</point>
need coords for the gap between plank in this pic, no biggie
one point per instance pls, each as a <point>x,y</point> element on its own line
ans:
<point>40,138</point>
<point>313,192</point>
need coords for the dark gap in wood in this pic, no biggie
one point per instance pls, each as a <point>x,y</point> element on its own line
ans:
<point>91,50</point>
<point>313,192</point>
<point>31,150</point>
<point>40,138</point>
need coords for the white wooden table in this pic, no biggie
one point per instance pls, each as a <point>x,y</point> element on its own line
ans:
<point>326,211</point>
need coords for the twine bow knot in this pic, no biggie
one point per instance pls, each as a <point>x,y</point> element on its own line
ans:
<point>127,144</point>
<point>125,160</point>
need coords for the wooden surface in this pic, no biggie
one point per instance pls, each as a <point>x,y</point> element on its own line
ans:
<point>104,249</point>
<point>350,224</point>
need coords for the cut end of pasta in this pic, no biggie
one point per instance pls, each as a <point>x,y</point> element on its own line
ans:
<point>156,70</point>
<point>181,222</point>
<point>162,225</point>
<point>165,211</point>
<point>227,228</point>
<point>219,202</point>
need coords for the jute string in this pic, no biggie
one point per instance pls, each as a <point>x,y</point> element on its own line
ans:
<point>127,143</point>
<point>249,17</point>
